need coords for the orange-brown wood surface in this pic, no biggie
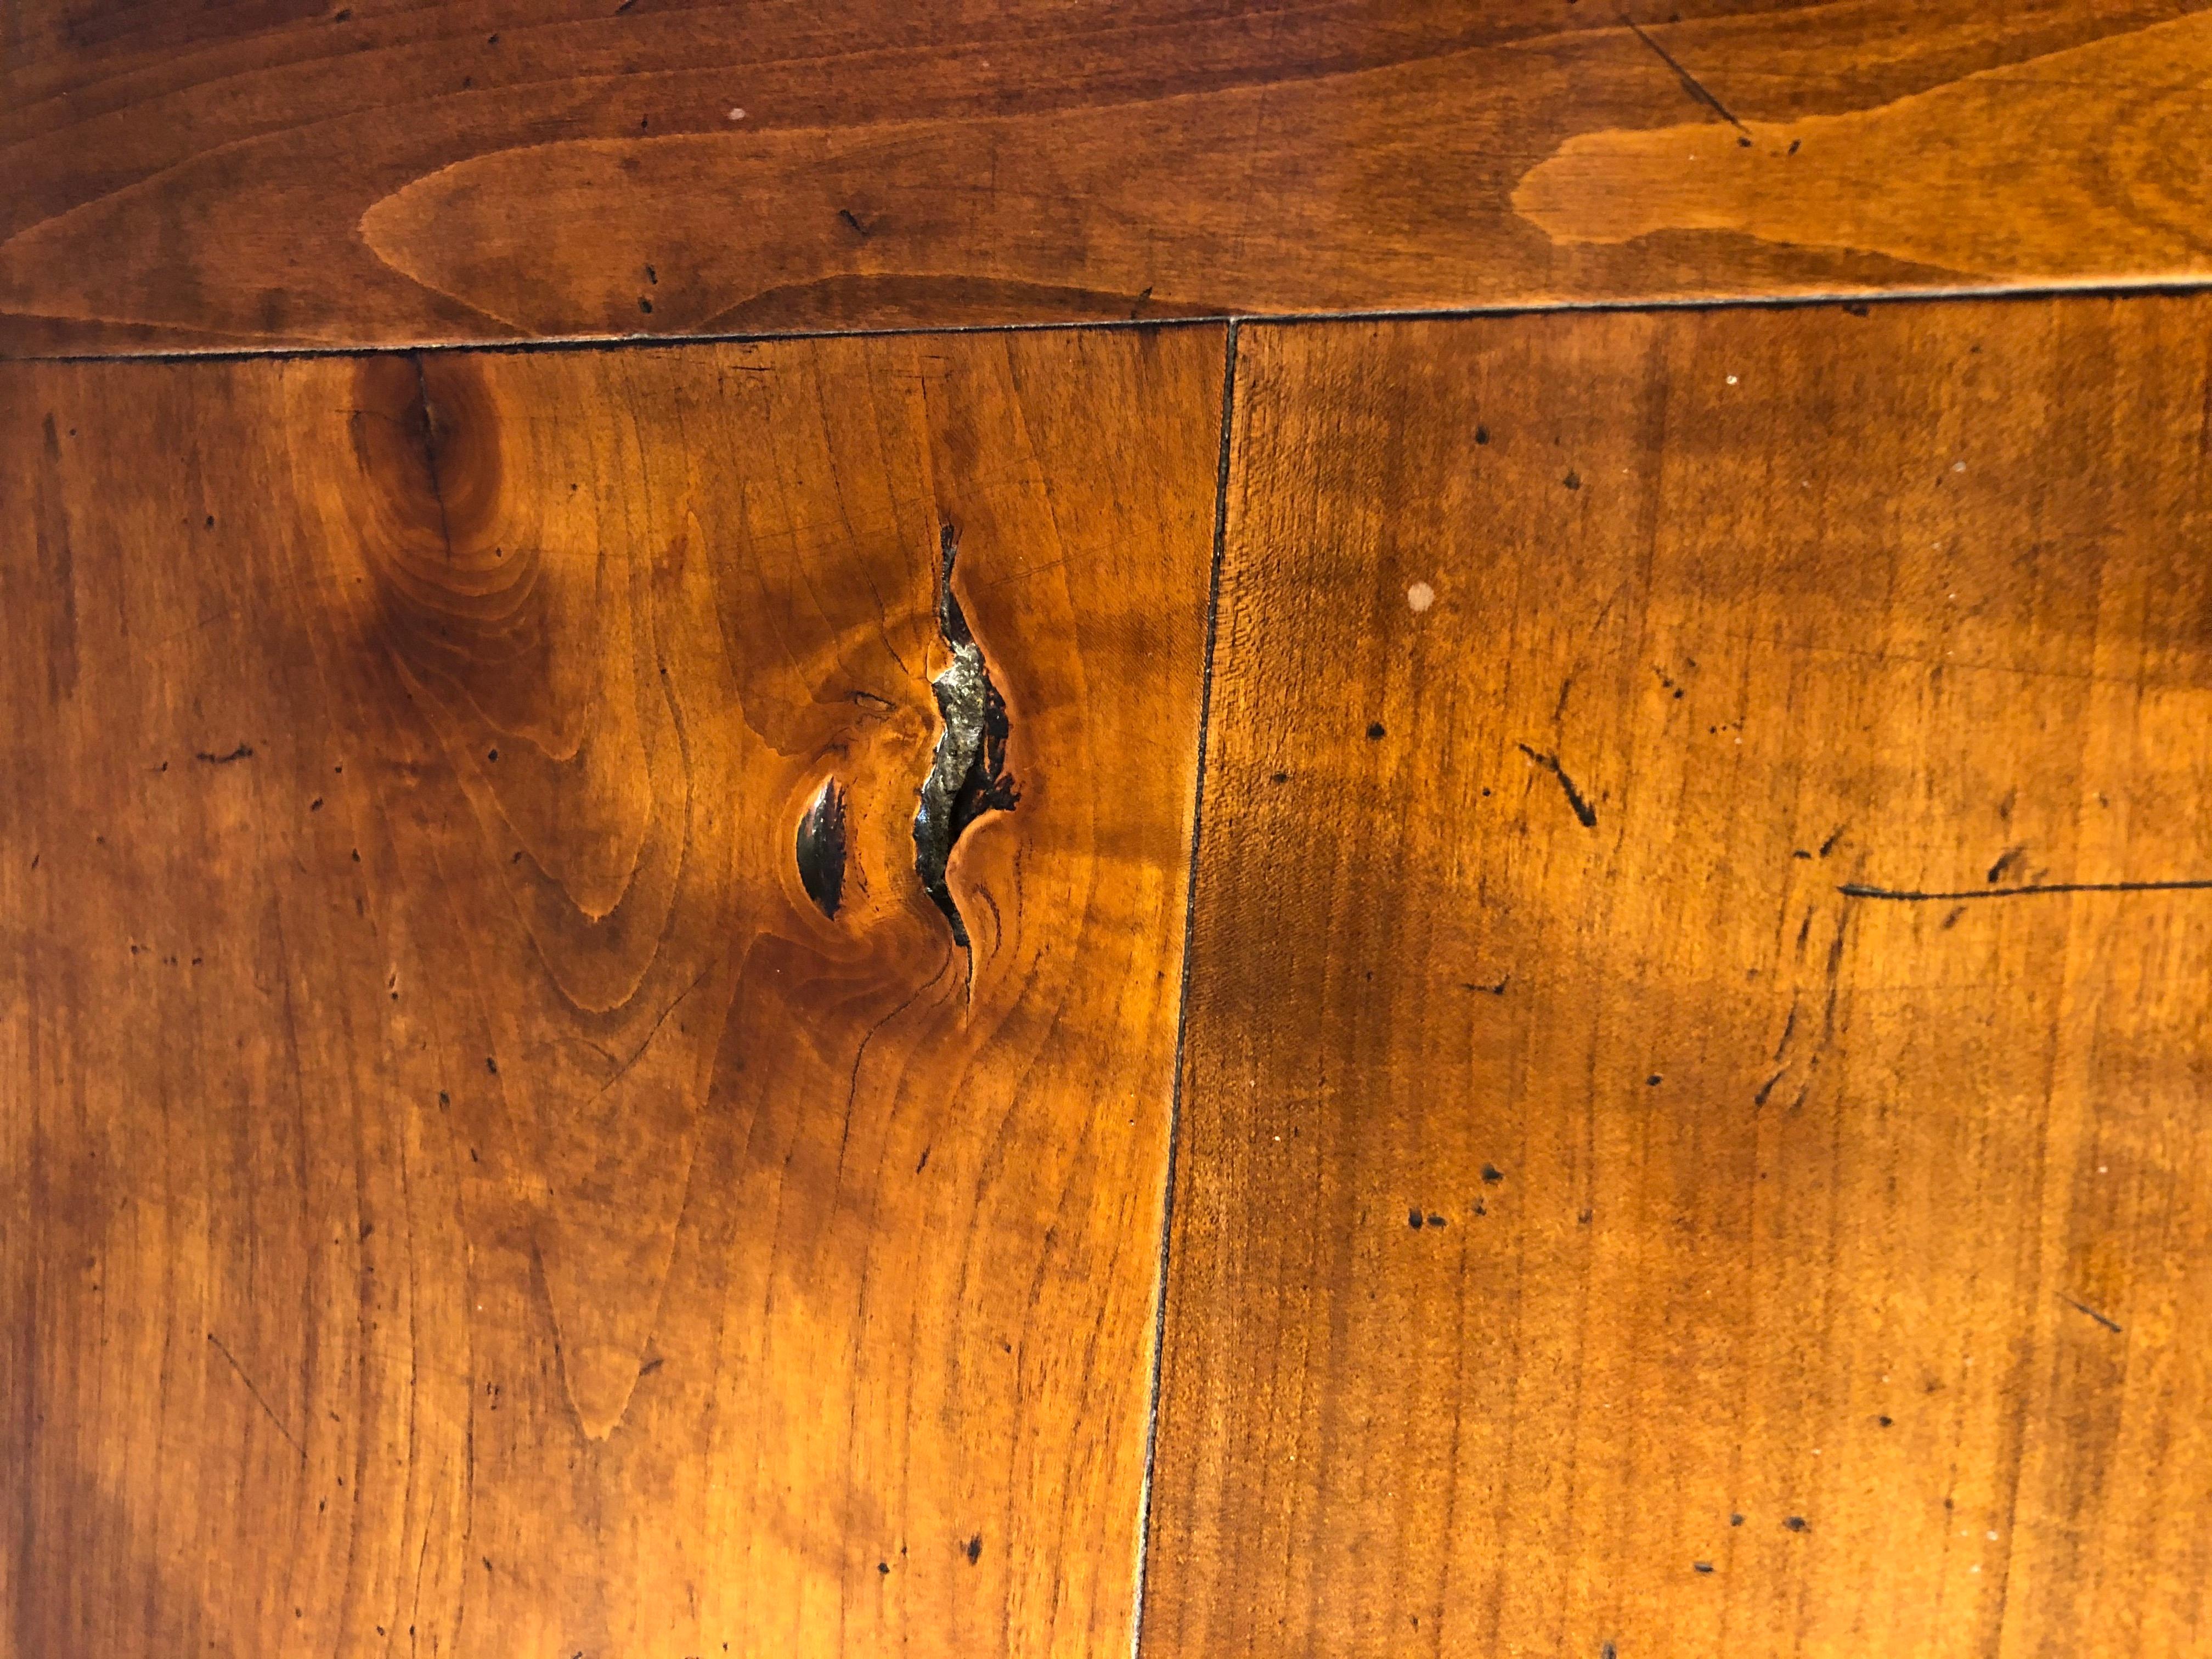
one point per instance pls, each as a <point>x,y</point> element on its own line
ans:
<point>459,1193</point>
<point>382,171</point>
<point>1694,1138</point>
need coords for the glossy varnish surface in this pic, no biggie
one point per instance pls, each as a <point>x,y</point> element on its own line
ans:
<point>388,172</point>
<point>460,1193</point>
<point>1693,1133</point>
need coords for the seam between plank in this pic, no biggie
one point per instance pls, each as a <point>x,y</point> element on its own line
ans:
<point>2106,287</point>
<point>1183,994</point>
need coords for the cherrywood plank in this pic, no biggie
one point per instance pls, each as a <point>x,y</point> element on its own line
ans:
<point>460,1193</point>
<point>1605,1226</point>
<point>403,171</point>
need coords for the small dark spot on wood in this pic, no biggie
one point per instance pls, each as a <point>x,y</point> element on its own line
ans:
<point>2108,1322</point>
<point>1834,835</point>
<point>316,805</point>
<point>1279,777</point>
<point>342,15</point>
<point>884,1568</point>
<point>1436,1221</point>
<point>491,40</point>
<point>1736,1519</point>
<point>491,1065</point>
<point>652,1366</point>
<point>1573,480</point>
<point>1375,731</point>
<point>1800,853</point>
<point>853,223</point>
<point>1585,814</point>
<point>244,751</point>
<point>1885,1421</point>
<point>1653,1081</point>
<point>1492,1174</point>
<point>1482,435</point>
<point>1702,1566</point>
<point>1797,1523</point>
<point>210,521</point>
<point>1859,310</point>
<point>491,754</point>
<point>975,1549</point>
<point>645,305</point>
<point>1795,145</point>
<point>1413,1219</point>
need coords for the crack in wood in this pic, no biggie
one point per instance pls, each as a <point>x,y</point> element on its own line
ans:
<point>967,773</point>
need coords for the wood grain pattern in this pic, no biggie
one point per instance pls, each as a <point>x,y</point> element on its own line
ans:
<point>1601,1228</point>
<point>398,171</point>
<point>459,1193</point>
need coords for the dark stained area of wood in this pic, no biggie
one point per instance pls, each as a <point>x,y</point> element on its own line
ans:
<point>1629,1232</point>
<point>459,1192</point>
<point>821,848</point>
<point>277,172</point>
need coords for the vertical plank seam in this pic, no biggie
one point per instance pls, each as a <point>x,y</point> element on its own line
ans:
<point>1183,993</point>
